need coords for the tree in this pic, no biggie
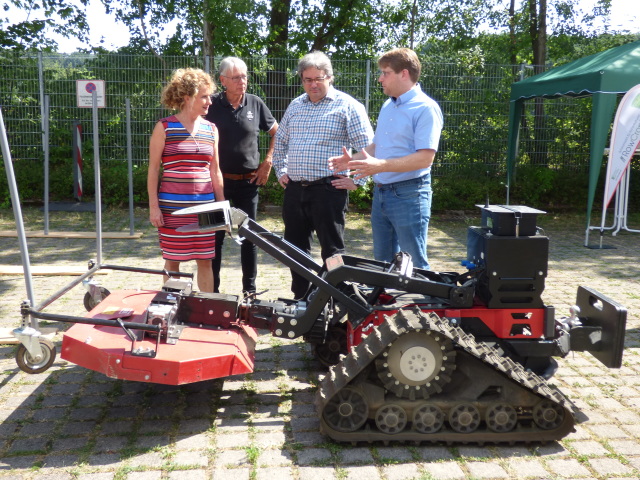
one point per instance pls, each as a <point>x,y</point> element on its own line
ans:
<point>39,17</point>
<point>280,28</point>
<point>536,17</point>
<point>538,32</point>
<point>415,24</point>
<point>537,10</point>
<point>279,18</point>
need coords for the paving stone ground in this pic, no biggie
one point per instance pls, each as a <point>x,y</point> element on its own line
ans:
<point>70,423</point>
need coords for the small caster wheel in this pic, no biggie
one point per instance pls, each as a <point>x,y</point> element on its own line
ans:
<point>29,364</point>
<point>90,302</point>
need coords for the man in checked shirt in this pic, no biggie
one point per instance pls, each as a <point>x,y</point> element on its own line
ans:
<point>315,127</point>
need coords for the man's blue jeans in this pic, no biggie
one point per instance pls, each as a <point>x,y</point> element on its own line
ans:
<point>400,219</point>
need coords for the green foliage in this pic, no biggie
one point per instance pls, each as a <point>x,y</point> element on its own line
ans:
<point>412,23</point>
<point>460,189</point>
<point>350,28</point>
<point>532,184</point>
<point>467,186</point>
<point>361,197</point>
<point>347,28</point>
<point>271,193</point>
<point>27,178</point>
<point>542,187</point>
<point>114,182</point>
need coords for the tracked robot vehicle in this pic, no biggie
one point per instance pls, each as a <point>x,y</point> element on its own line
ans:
<point>413,355</point>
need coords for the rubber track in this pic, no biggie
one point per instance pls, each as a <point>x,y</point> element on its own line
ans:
<point>405,321</point>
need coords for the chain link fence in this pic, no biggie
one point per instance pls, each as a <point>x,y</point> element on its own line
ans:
<point>474,99</point>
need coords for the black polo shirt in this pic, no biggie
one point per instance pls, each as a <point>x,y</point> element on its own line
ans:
<point>239,129</point>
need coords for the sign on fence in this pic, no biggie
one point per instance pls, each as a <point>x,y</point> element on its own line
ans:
<point>84,93</point>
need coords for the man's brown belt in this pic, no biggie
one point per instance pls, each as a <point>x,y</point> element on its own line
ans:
<point>239,176</point>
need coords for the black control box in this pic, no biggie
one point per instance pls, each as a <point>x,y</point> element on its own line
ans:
<point>515,268</point>
<point>510,220</point>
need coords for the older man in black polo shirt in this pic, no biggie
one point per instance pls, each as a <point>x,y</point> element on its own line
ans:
<point>239,117</point>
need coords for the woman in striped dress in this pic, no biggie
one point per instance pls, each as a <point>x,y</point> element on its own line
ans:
<point>184,147</point>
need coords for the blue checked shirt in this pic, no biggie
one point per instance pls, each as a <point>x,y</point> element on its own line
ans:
<point>310,133</point>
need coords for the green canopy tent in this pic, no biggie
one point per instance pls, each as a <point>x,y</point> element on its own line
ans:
<point>604,75</point>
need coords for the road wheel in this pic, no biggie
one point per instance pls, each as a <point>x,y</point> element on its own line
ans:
<point>464,418</point>
<point>548,415</point>
<point>501,417</point>
<point>428,418</point>
<point>347,410</point>
<point>391,418</point>
<point>417,365</point>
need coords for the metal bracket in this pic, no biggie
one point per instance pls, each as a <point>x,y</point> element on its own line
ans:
<point>173,334</point>
<point>30,338</point>
<point>139,352</point>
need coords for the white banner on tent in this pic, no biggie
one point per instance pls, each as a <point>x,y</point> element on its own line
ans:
<point>625,138</point>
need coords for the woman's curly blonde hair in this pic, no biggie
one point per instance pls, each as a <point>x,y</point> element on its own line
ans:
<point>185,82</point>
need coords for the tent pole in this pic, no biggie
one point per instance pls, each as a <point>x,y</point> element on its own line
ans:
<point>515,115</point>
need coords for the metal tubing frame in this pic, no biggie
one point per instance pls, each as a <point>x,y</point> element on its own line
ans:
<point>28,333</point>
<point>17,213</point>
<point>95,321</point>
<point>55,296</point>
<point>622,209</point>
<point>44,124</point>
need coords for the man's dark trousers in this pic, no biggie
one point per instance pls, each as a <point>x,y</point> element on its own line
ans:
<point>319,208</point>
<point>242,194</point>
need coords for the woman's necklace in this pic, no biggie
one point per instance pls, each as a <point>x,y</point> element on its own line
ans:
<point>195,125</point>
<point>194,133</point>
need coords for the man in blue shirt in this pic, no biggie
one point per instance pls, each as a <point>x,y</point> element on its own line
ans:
<point>316,125</point>
<point>399,160</point>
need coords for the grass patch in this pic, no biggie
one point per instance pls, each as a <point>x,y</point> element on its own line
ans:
<point>252,452</point>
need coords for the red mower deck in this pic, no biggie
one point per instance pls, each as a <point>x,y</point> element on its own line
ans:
<point>200,354</point>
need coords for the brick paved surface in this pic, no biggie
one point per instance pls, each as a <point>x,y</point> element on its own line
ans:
<point>70,423</point>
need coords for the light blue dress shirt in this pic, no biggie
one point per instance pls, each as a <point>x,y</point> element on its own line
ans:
<point>406,124</point>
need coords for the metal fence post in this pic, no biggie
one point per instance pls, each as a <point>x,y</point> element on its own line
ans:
<point>129,165</point>
<point>368,86</point>
<point>45,144</point>
<point>44,123</point>
<point>96,168</point>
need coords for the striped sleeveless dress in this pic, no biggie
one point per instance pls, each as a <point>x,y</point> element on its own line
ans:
<point>186,181</point>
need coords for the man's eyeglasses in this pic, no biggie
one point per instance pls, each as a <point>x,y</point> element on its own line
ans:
<point>309,81</point>
<point>237,78</point>
<point>386,73</point>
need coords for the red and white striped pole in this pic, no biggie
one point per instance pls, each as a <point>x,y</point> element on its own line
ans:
<point>77,161</point>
